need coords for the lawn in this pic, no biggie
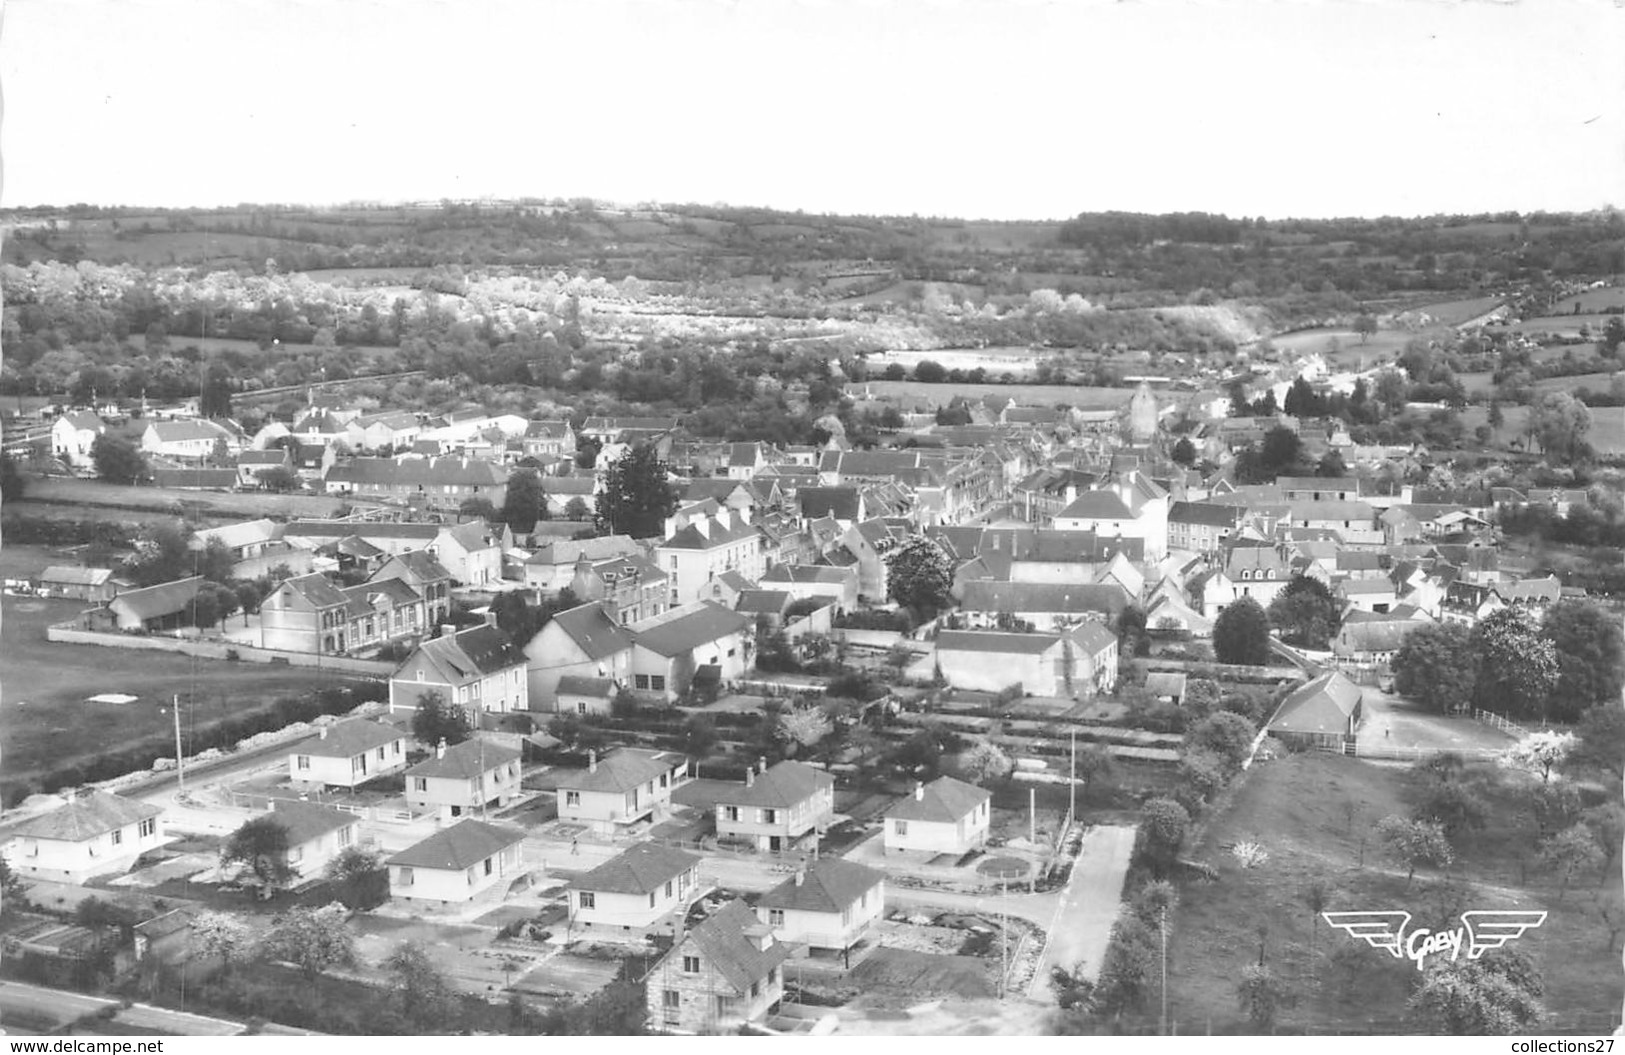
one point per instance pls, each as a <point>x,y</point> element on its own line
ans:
<point>48,721</point>
<point>1314,815</point>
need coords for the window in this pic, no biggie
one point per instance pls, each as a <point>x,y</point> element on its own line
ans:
<point>586,900</point>
<point>581,707</point>
<point>488,866</point>
<point>671,998</point>
<point>296,854</point>
<point>691,965</point>
<point>899,827</point>
<point>147,827</point>
<point>657,682</point>
<point>755,988</point>
<point>404,877</point>
<point>775,917</point>
<point>642,681</point>
<point>572,798</point>
<point>118,836</point>
<point>304,762</point>
<point>651,899</point>
<point>396,746</point>
<point>730,813</point>
<point>381,755</point>
<point>731,651</point>
<point>668,888</point>
<point>770,816</point>
<point>420,783</point>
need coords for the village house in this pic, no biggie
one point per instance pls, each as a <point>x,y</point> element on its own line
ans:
<point>1371,644</point>
<point>477,669</point>
<point>549,439</point>
<point>193,439</point>
<point>1093,659</point>
<point>827,904</point>
<point>457,780</point>
<point>1466,603</point>
<point>250,464</point>
<point>1166,686</point>
<point>946,816</point>
<point>74,434</point>
<point>777,807</point>
<point>552,567</point>
<point>426,576</point>
<point>1131,507</point>
<point>471,551</point>
<point>80,584</point>
<point>469,860</point>
<point>838,586</point>
<point>626,786</point>
<point>638,887</point>
<point>1047,606</point>
<point>1366,595</point>
<point>315,834</point>
<point>989,661</point>
<point>387,431</point>
<point>584,641</point>
<point>1259,572</point>
<point>702,543</point>
<point>632,587</point>
<point>439,483</point>
<point>152,608</point>
<point>671,649</point>
<point>347,754</point>
<point>242,541</point>
<point>1203,527</point>
<point>725,972</point>
<point>309,614</point>
<point>93,833</point>
<point>1322,713</point>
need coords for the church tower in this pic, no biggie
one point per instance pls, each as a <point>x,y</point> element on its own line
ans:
<point>1142,415</point>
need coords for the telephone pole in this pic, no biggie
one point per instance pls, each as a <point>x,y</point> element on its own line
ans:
<point>180,756</point>
<point>1163,927</point>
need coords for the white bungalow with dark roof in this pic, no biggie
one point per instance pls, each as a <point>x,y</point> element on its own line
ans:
<point>348,753</point>
<point>93,833</point>
<point>624,787</point>
<point>458,780</point>
<point>946,816</point>
<point>458,864</point>
<point>316,835</point>
<point>776,807</point>
<point>830,904</point>
<point>636,888</point>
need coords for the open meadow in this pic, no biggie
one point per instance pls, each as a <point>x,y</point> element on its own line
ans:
<point>1314,815</point>
<point>940,395</point>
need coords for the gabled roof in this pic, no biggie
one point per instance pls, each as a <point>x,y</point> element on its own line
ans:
<point>725,946</point>
<point>463,845</point>
<point>1323,705</point>
<point>943,801</point>
<point>1093,637</point>
<point>582,685</point>
<point>318,590</point>
<point>1206,514</point>
<point>469,655</point>
<point>465,761</point>
<point>420,564</point>
<point>84,420</point>
<point>1097,505</point>
<point>757,602</point>
<point>842,503</point>
<point>348,738</point>
<point>995,642</point>
<point>808,573</point>
<point>829,884</point>
<point>638,870</point>
<point>409,472</point>
<point>716,534</point>
<point>192,429</point>
<point>1165,683</point>
<point>593,631</point>
<point>246,533</point>
<point>65,575</point>
<point>691,626</point>
<point>91,813</point>
<point>570,551</point>
<point>304,821</point>
<point>152,602</point>
<point>782,786</point>
<point>1107,598</point>
<point>622,770</point>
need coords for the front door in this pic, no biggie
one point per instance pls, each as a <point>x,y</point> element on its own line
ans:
<point>775,843</point>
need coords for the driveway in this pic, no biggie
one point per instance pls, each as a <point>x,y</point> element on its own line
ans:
<point>1088,907</point>
<point>1393,722</point>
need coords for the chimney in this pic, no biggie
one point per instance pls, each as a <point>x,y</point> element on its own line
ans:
<point>592,761</point>
<point>763,762</point>
<point>440,748</point>
<point>919,791</point>
<point>446,630</point>
<point>750,776</point>
<point>322,733</point>
<point>801,876</point>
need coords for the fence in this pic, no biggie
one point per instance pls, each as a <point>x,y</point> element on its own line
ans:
<point>1512,729</point>
<point>66,633</point>
<point>1411,754</point>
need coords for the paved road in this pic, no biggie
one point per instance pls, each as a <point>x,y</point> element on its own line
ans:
<point>1082,922</point>
<point>37,1003</point>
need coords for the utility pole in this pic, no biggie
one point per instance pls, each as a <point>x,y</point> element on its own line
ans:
<point>1163,927</point>
<point>180,757</point>
<point>1032,816</point>
<point>1072,782</point>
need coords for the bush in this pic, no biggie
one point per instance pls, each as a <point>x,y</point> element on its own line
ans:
<point>900,620</point>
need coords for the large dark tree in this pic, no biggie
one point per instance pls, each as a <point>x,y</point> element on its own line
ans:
<point>1436,666</point>
<point>920,575</point>
<point>638,495</point>
<point>1184,452</point>
<point>436,719</point>
<point>526,501</point>
<point>215,399</point>
<point>118,461</point>
<point>261,844</point>
<point>1590,657</point>
<point>1241,634</point>
<point>1305,613</point>
<point>1517,668</point>
<point>11,480</point>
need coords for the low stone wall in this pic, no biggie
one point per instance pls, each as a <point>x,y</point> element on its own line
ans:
<point>68,634</point>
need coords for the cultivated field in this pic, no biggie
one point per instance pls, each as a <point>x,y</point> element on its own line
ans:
<point>1562,325</point>
<point>63,497</point>
<point>1081,396</point>
<point>1313,814</point>
<point>1019,362</point>
<point>1343,348</point>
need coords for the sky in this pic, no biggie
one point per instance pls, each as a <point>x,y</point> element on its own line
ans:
<point>997,109</point>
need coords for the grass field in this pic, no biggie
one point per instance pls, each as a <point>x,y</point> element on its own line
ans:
<point>1559,325</point>
<point>1456,312</point>
<point>46,721</point>
<point>1019,362</point>
<point>63,497</point>
<point>941,395</point>
<point>1298,809</point>
<point>1343,348</point>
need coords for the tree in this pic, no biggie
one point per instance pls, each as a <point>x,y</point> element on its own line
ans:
<point>1163,826</point>
<point>1281,451</point>
<point>1539,753</point>
<point>1571,850</point>
<point>1454,805</point>
<point>1315,895</point>
<point>1497,417</point>
<point>261,844</point>
<point>1095,767</point>
<point>699,735</point>
<point>1391,390</point>
<point>1262,995</point>
<point>587,448</point>
<point>638,495</point>
<point>118,461</point>
<point>162,554</point>
<point>1590,656</point>
<point>1606,822</point>
<point>214,401</point>
<point>1306,613</point>
<point>1559,423</point>
<point>985,764</point>
<point>1184,452</point>
<point>1331,465</point>
<point>215,563</point>
<point>12,482</point>
<point>1601,736</point>
<point>525,502</point>
<point>1497,994</point>
<point>1517,668</point>
<point>1365,326</point>
<point>1202,697</point>
<point>359,877</point>
<point>436,719</point>
<point>477,507</point>
<point>1128,967</point>
<point>577,509</point>
<point>1132,638</point>
<point>1436,665</point>
<point>1202,775</point>
<point>1241,634</point>
<point>13,892</point>
<point>224,935</point>
<point>278,478</point>
<point>803,727</point>
<point>920,575</point>
<point>1227,735</point>
<point>312,939</point>
<point>1415,843</point>
<point>426,995</point>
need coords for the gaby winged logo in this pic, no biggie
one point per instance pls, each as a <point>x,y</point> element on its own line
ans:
<point>1481,931</point>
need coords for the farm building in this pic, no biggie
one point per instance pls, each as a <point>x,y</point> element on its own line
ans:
<point>990,661</point>
<point>1321,713</point>
<point>162,607</point>
<point>81,584</point>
